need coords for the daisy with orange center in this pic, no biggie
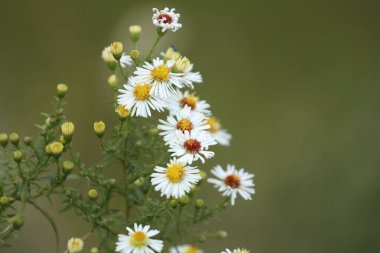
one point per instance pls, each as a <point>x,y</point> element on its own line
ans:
<point>232,182</point>
<point>184,120</point>
<point>175,180</point>
<point>137,98</point>
<point>139,240</point>
<point>186,248</point>
<point>181,99</point>
<point>220,135</point>
<point>192,146</point>
<point>160,75</point>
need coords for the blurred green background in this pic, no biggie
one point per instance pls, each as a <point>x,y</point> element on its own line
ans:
<point>296,83</point>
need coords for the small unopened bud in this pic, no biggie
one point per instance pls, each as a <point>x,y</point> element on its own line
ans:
<point>3,139</point>
<point>62,139</point>
<point>108,58</point>
<point>112,81</point>
<point>61,90</point>
<point>135,31</point>
<point>173,203</point>
<point>18,222</point>
<point>181,65</point>
<point>67,130</point>
<point>99,128</point>
<point>199,203</point>
<point>203,175</point>
<point>17,156</point>
<point>13,137</point>
<point>135,54</point>
<point>153,131</point>
<point>117,49</point>
<point>122,112</point>
<point>27,141</point>
<point>138,182</point>
<point>92,194</point>
<point>47,149</point>
<point>202,238</point>
<point>4,200</point>
<point>111,182</point>
<point>171,54</point>
<point>221,234</point>
<point>94,250</point>
<point>68,166</point>
<point>56,148</point>
<point>184,200</point>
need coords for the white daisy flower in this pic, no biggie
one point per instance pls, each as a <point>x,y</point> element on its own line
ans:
<point>184,120</point>
<point>233,181</point>
<point>137,97</point>
<point>125,60</point>
<point>184,67</point>
<point>220,135</point>
<point>238,250</point>
<point>175,180</point>
<point>191,146</point>
<point>166,19</point>
<point>181,99</point>
<point>160,76</point>
<point>139,241</point>
<point>186,248</point>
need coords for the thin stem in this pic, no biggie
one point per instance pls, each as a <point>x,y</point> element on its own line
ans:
<point>149,56</point>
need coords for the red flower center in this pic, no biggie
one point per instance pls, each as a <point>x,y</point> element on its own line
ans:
<point>165,18</point>
<point>232,180</point>
<point>192,145</point>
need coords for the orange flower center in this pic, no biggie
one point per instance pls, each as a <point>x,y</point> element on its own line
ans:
<point>233,181</point>
<point>192,146</point>
<point>190,101</point>
<point>184,125</point>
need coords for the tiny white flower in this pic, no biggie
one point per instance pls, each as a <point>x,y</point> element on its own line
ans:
<point>233,181</point>
<point>175,180</point>
<point>191,146</point>
<point>139,240</point>
<point>181,99</point>
<point>166,19</point>
<point>160,75</point>
<point>184,120</point>
<point>186,248</point>
<point>125,60</point>
<point>75,245</point>
<point>220,135</point>
<point>137,98</point>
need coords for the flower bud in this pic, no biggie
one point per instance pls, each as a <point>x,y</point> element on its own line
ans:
<point>3,139</point>
<point>94,250</point>
<point>138,182</point>
<point>108,58</point>
<point>135,54</point>
<point>184,200</point>
<point>47,149</point>
<point>117,49</point>
<point>92,194</point>
<point>111,182</point>
<point>173,203</point>
<point>99,128</point>
<point>13,137</point>
<point>122,112</point>
<point>75,245</point>
<point>18,222</point>
<point>171,54</point>
<point>56,148</point>
<point>67,130</point>
<point>68,166</point>
<point>154,131</point>
<point>112,81</point>
<point>135,31</point>
<point>221,234</point>
<point>27,140</point>
<point>199,203</point>
<point>62,139</point>
<point>203,175</point>
<point>202,238</point>
<point>61,90</point>
<point>17,156</point>
<point>181,65</point>
<point>4,200</point>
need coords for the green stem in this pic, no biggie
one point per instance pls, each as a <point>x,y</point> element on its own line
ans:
<point>149,56</point>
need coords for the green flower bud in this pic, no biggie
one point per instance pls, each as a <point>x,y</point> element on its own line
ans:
<point>221,234</point>
<point>203,175</point>
<point>13,137</point>
<point>68,166</point>
<point>135,54</point>
<point>184,200</point>
<point>92,194</point>
<point>99,128</point>
<point>173,203</point>
<point>4,200</point>
<point>122,112</point>
<point>112,81</point>
<point>202,238</point>
<point>94,250</point>
<point>138,182</point>
<point>117,49</point>
<point>17,156</point>
<point>135,31</point>
<point>27,140</point>
<point>111,182</point>
<point>200,203</point>
<point>3,139</point>
<point>61,90</point>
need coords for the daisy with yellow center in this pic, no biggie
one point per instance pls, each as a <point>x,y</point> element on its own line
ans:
<point>220,135</point>
<point>186,248</point>
<point>139,240</point>
<point>184,120</point>
<point>181,99</point>
<point>175,180</point>
<point>232,182</point>
<point>192,146</point>
<point>137,98</point>
<point>160,75</point>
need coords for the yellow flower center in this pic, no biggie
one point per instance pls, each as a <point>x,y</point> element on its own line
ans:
<point>184,125</point>
<point>142,92</point>
<point>190,101</point>
<point>214,125</point>
<point>242,251</point>
<point>175,173</point>
<point>138,239</point>
<point>160,73</point>
<point>191,249</point>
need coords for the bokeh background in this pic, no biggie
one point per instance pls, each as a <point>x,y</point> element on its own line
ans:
<point>296,82</point>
